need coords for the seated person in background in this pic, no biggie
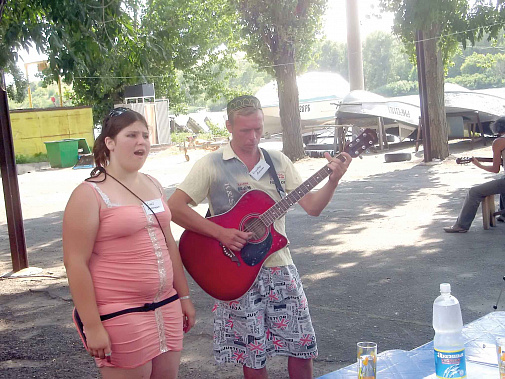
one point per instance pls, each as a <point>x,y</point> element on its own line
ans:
<point>478,193</point>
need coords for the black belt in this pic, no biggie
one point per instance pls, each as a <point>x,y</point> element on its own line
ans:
<point>147,307</point>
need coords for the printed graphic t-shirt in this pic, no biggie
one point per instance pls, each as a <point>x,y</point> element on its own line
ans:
<point>223,178</point>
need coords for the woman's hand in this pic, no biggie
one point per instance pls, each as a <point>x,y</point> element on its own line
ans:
<point>188,315</point>
<point>98,342</point>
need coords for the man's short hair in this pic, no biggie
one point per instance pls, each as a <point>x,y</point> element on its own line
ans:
<point>246,104</point>
<point>498,127</point>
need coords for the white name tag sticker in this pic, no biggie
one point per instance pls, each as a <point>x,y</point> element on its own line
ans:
<point>259,170</point>
<point>156,206</point>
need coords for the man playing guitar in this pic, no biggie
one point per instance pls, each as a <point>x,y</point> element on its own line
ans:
<point>478,193</point>
<point>273,316</point>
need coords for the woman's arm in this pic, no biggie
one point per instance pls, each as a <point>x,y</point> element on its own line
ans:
<point>180,282</point>
<point>80,226</point>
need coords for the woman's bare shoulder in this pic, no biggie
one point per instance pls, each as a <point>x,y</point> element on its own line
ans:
<point>83,193</point>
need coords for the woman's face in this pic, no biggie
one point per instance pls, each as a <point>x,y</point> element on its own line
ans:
<point>130,147</point>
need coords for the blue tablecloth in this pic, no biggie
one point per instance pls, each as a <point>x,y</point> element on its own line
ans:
<point>480,349</point>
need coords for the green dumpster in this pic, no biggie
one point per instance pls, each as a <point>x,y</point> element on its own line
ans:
<point>62,153</point>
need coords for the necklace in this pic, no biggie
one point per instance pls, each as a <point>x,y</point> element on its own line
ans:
<point>100,170</point>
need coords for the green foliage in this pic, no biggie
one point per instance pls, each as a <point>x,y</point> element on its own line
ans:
<point>72,33</point>
<point>103,46</point>
<point>480,71</point>
<point>41,96</point>
<point>216,131</point>
<point>36,158</point>
<point>274,30</point>
<point>399,88</point>
<point>19,86</point>
<point>376,63</point>
<point>329,56</point>
<point>244,78</point>
<point>484,46</point>
<point>181,137</point>
<point>384,61</point>
<point>477,81</point>
<point>443,20</point>
<point>476,63</point>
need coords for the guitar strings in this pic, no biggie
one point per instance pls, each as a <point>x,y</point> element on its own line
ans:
<point>258,226</point>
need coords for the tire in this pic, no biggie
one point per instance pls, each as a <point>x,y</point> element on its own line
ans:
<point>397,157</point>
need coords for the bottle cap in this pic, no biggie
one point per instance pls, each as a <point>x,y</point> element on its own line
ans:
<point>445,288</point>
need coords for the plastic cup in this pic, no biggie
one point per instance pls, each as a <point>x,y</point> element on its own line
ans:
<point>367,360</point>
<point>500,352</point>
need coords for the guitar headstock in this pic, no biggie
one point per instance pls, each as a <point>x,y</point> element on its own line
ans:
<point>464,160</point>
<point>365,140</point>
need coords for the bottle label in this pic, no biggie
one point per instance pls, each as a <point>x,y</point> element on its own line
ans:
<point>450,364</point>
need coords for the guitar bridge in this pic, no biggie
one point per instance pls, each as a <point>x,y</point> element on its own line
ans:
<point>230,254</point>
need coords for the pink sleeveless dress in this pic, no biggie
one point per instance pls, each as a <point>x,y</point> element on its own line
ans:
<point>130,266</point>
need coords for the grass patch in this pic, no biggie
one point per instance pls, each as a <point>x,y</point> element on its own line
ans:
<point>214,131</point>
<point>36,158</point>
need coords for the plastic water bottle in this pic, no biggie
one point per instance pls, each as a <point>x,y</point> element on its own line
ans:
<point>449,344</point>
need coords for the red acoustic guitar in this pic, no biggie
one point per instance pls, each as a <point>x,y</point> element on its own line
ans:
<point>227,275</point>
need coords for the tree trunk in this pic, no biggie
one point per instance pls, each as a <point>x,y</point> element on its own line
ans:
<point>439,129</point>
<point>285,74</point>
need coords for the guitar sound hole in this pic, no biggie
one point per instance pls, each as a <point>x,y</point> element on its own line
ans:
<point>255,225</point>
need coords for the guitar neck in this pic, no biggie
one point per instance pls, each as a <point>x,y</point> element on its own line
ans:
<point>280,208</point>
<point>362,142</point>
<point>484,159</point>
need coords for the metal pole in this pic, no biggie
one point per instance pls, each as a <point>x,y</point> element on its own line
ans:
<point>10,185</point>
<point>29,89</point>
<point>423,95</point>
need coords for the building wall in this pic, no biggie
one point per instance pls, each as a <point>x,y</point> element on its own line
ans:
<point>32,127</point>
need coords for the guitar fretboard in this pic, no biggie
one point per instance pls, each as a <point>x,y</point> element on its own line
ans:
<point>280,208</point>
<point>354,149</point>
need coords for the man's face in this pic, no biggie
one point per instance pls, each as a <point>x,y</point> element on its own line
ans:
<point>246,131</point>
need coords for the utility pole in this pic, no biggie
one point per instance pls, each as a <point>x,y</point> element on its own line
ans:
<point>354,54</point>
<point>10,185</point>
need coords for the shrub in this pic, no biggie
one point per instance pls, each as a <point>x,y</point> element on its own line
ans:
<point>35,158</point>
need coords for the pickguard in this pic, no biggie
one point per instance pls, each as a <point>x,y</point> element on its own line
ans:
<point>253,253</point>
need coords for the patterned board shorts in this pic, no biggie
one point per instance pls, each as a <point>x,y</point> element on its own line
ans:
<point>272,318</point>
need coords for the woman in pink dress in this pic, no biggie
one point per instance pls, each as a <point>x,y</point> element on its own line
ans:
<point>124,269</point>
